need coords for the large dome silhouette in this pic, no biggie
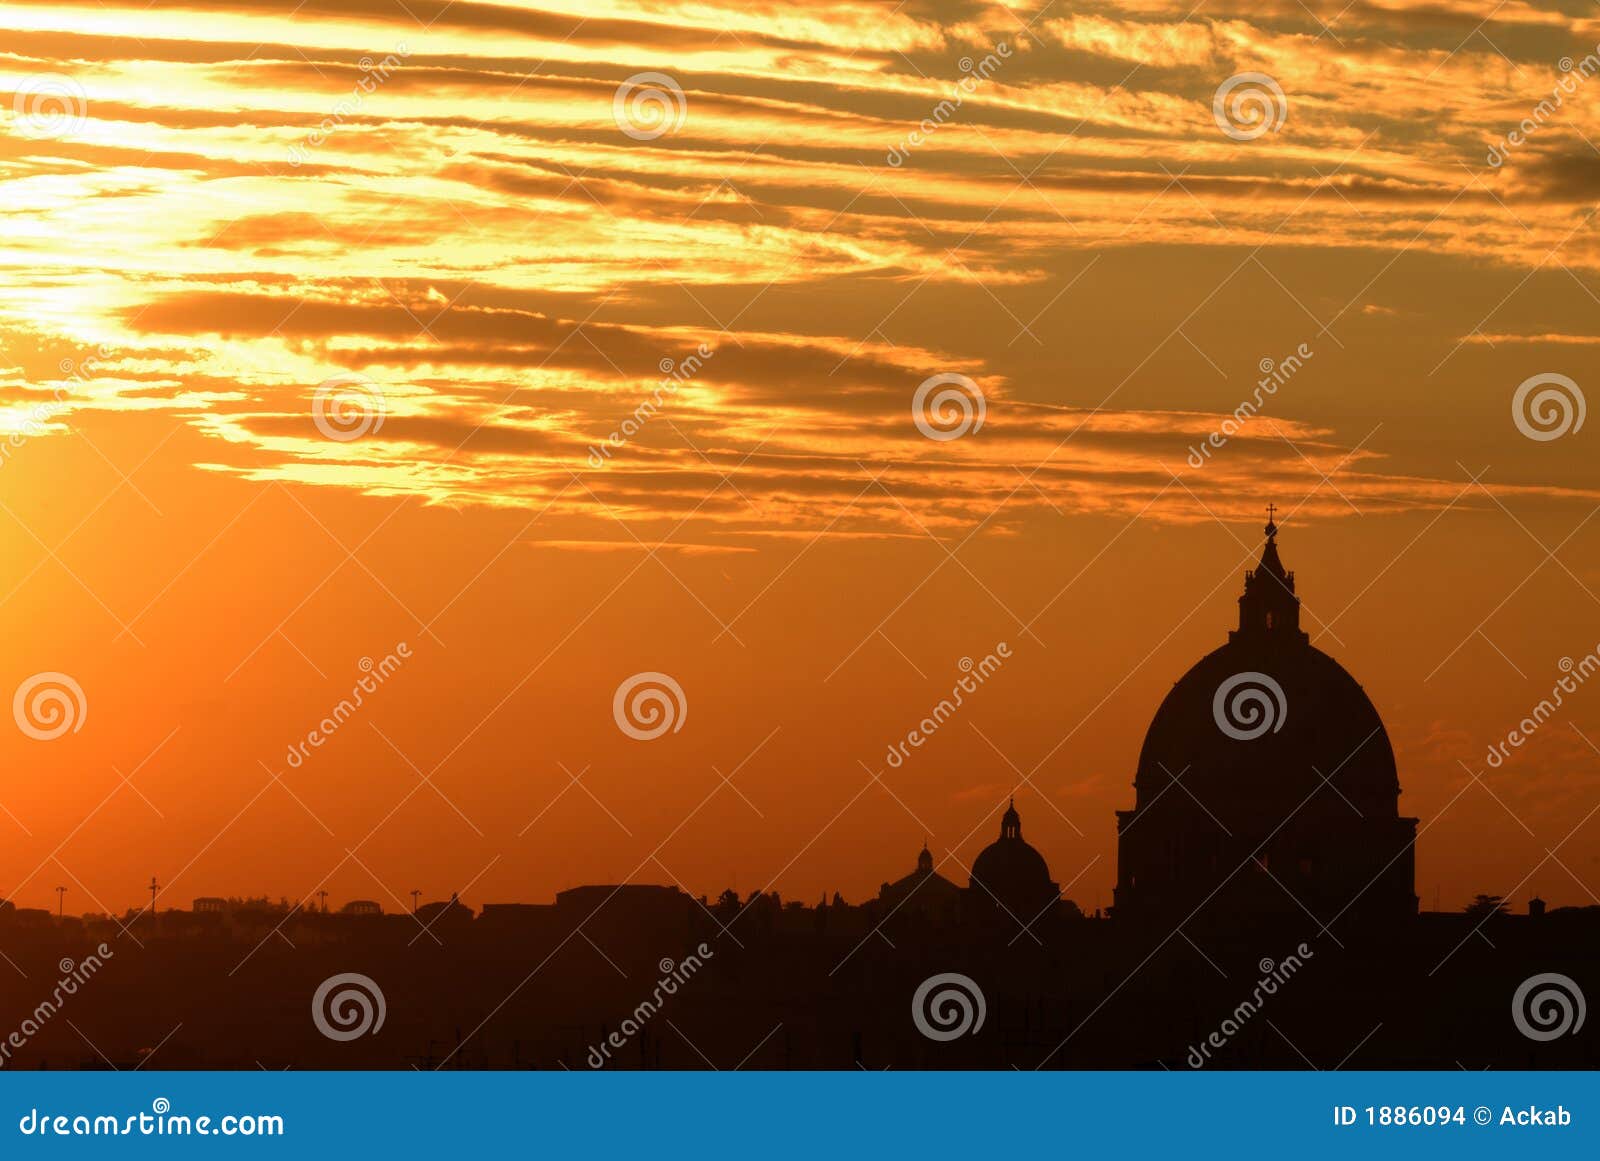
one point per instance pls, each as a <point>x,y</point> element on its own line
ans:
<point>1266,785</point>
<point>1323,726</point>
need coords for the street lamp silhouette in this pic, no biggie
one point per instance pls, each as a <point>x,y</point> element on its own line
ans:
<point>415,895</point>
<point>60,898</point>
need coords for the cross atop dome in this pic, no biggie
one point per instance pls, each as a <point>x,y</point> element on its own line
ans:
<point>1272,527</point>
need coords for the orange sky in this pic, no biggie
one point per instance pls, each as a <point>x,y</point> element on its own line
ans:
<point>450,232</point>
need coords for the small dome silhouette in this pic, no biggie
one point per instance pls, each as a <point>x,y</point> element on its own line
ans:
<point>1012,875</point>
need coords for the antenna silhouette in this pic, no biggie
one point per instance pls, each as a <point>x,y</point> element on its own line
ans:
<point>60,897</point>
<point>154,887</point>
<point>415,895</point>
<point>323,895</point>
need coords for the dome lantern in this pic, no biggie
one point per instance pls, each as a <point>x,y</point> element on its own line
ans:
<point>1011,822</point>
<point>1268,607</point>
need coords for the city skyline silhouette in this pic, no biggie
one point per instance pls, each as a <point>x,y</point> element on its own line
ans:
<point>1333,900</point>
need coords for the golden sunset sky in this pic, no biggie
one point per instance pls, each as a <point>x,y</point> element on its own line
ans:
<point>313,314</point>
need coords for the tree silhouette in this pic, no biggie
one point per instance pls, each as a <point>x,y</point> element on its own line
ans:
<point>1485,907</point>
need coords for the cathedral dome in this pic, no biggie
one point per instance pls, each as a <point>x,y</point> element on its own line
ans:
<point>1266,782</point>
<point>923,892</point>
<point>1274,721</point>
<point>1011,874</point>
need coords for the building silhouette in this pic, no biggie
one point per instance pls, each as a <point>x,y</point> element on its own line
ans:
<point>924,892</point>
<point>1266,786</point>
<point>1011,877</point>
<point>1009,884</point>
